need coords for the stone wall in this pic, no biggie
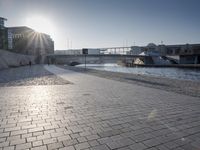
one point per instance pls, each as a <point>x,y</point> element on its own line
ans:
<point>9,59</point>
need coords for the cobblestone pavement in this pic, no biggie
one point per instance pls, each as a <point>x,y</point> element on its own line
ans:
<point>98,114</point>
<point>186,87</point>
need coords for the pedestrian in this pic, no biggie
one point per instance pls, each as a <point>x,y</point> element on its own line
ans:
<point>30,63</point>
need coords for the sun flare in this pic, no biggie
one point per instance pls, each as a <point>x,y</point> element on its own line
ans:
<point>40,24</point>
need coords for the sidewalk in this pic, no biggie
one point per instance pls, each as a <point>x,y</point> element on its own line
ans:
<point>96,113</point>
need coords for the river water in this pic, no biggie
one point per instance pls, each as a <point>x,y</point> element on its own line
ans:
<point>175,73</point>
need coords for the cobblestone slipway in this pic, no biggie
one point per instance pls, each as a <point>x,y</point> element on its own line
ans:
<point>75,111</point>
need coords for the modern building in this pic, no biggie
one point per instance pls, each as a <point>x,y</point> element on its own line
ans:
<point>2,20</point>
<point>3,34</point>
<point>26,41</point>
<point>187,53</point>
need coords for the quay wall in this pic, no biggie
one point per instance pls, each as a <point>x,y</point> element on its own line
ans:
<point>10,59</point>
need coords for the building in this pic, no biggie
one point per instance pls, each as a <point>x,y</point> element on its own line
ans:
<point>3,34</point>
<point>25,40</point>
<point>151,47</point>
<point>2,20</point>
<point>186,53</point>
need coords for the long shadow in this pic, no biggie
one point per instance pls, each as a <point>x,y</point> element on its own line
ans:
<point>147,82</point>
<point>26,73</point>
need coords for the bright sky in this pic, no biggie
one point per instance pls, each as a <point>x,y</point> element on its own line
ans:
<point>106,23</point>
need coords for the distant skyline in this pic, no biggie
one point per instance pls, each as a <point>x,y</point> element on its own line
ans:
<point>106,23</point>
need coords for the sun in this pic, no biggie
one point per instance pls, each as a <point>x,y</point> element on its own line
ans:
<point>40,24</point>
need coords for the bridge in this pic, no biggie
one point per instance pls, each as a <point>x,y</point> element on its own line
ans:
<point>91,58</point>
<point>115,50</point>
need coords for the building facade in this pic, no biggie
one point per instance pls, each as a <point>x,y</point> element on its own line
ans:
<point>187,53</point>
<point>3,34</point>
<point>2,20</point>
<point>25,40</point>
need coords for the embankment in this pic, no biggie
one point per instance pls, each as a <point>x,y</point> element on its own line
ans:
<point>185,87</point>
<point>10,59</point>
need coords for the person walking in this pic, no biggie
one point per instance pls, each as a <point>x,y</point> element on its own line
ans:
<point>30,63</point>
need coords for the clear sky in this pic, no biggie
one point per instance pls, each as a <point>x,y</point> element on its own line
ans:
<point>106,23</point>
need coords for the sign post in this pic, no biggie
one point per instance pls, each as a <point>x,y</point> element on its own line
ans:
<point>85,52</point>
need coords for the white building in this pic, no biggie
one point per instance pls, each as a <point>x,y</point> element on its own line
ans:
<point>135,50</point>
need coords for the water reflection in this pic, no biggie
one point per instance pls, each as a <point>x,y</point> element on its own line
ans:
<point>175,73</point>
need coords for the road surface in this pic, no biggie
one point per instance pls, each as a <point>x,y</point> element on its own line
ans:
<point>61,109</point>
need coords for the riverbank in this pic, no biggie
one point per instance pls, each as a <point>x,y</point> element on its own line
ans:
<point>186,87</point>
<point>10,59</point>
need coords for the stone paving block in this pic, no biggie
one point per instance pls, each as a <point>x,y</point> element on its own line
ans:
<point>18,132</point>
<point>171,145</point>
<point>109,133</point>
<point>114,145</point>
<point>93,143</point>
<point>29,126</point>
<point>137,146</point>
<point>3,139</point>
<point>18,141</point>
<point>50,140</point>
<point>6,134</point>
<point>162,147</point>
<point>4,144</point>
<point>39,148</point>
<point>81,139</point>
<point>35,129</point>
<point>75,135</point>
<point>70,142</point>
<point>81,146</point>
<point>23,146</point>
<point>55,146</point>
<point>37,143</point>
<point>92,137</point>
<point>67,148</point>
<point>26,135</point>
<point>100,147</point>
<point>11,138</point>
<point>31,139</point>
<point>37,133</point>
<point>11,129</point>
<point>57,134</point>
<point>126,141</point>
<point>43,136</point>
<point>63,138</point>
<point>189,147</point>
<point>9,148</point>
<point>105,140</point>
<point>48,132</point>
<point>152,142</point>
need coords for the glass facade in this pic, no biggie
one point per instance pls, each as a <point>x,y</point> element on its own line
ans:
<point>2,22</point>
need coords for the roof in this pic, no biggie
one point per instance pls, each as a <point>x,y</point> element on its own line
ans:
<point>3,18</point>
<point>20,28</point>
